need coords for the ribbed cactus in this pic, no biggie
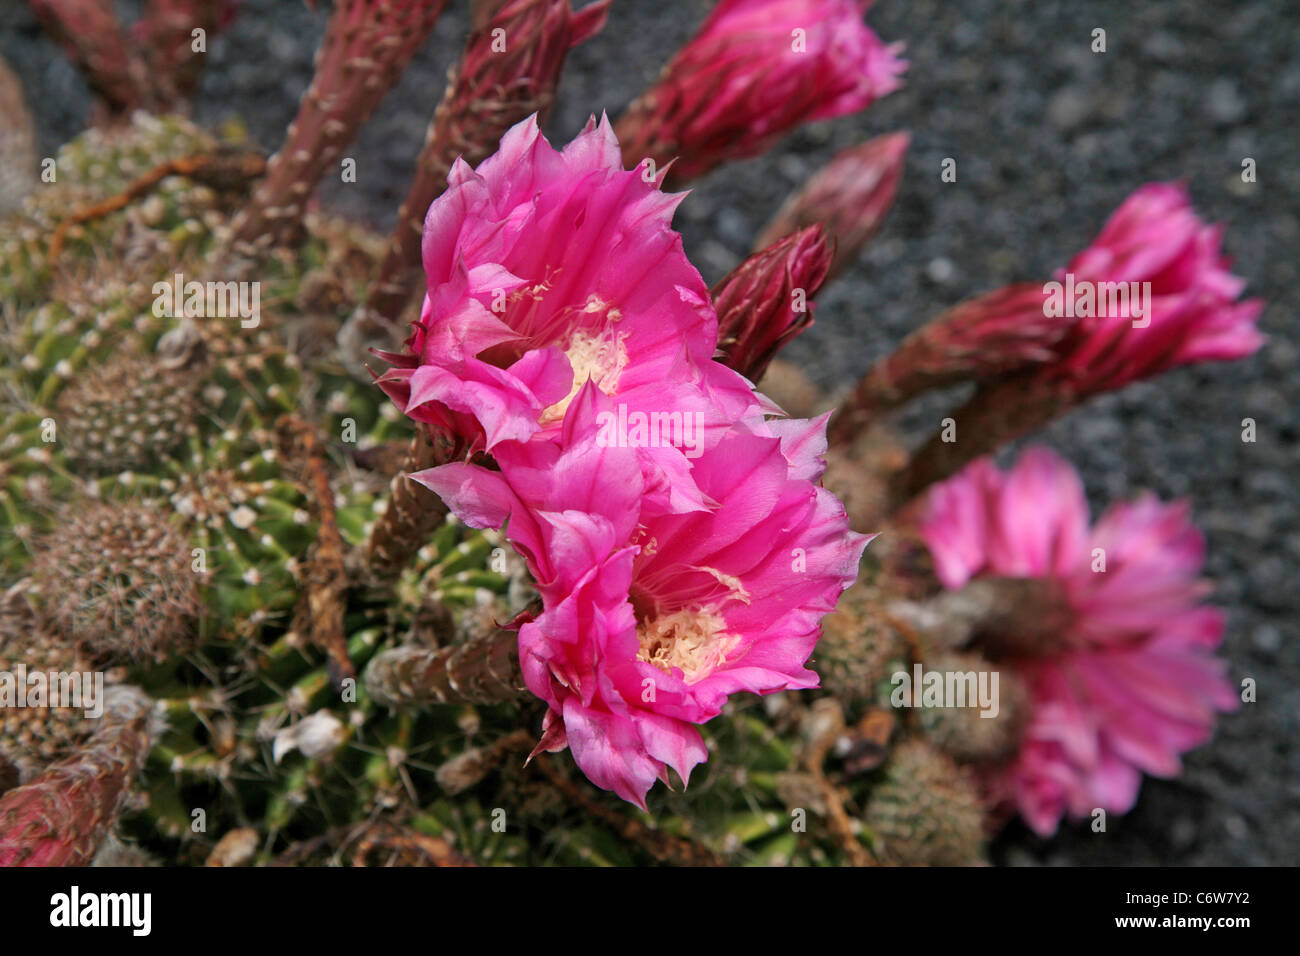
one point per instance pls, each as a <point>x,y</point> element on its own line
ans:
<point>926,810</point>
<point>118,580</point>
<point>965,733</point>
<point>33,736</point>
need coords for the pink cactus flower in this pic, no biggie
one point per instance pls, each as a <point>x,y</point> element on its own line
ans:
<point>754,71</point>
<point>1132,682</point>
<point>1154,239</point>
<point>651,620</point>
<point>548,269</point>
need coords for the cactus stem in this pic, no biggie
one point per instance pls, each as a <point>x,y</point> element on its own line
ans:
<point>327,582</point>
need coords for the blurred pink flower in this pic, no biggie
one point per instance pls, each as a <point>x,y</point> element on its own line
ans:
<point>651,620</point>
<point>547,269</point>
<point>1132,683</point>
<point>754,71</point>
<point>1156,237</point>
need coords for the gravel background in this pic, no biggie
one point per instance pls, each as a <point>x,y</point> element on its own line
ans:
<point>1049,138</point>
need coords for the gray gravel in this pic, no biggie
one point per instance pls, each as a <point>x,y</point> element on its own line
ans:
<point>1048,137</point>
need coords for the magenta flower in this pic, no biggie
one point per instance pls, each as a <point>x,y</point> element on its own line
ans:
<point>651,620</point>
<point>1132,681</point>
<point>754,71</point>
<point>1154,238</point>
<point>548,269</point>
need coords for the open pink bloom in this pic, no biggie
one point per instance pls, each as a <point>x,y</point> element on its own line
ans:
<point>1133,682</point>
<point>1156,237</point>
<point>754,71</point>
<point>652,619</point>
<point>547,269</point>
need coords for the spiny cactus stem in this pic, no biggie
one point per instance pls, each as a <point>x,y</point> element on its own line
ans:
<point>413,512</point>
<point>404,843</point>
<point>984,337</point>
<point>166,29</point>
<point>230,170</point>
<point>367,46</point>
<point>60,817</point>
<point>89,32</point>
<point>399,272</point>
<point>994,415</point>
<point>480,670</point>
<point>327,583</point>
<point>665,847</point>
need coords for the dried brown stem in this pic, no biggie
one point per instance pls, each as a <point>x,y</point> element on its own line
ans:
<point>814,760</point>
<point>327,582</point>
<point>226,170</point>
<point>405,847</point>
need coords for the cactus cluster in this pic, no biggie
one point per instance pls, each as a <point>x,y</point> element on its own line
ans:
<point>161,527</point>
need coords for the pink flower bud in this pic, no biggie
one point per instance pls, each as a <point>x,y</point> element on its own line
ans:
<point>754,71</point>
<point>767,300</point>
<point>850,196</point>
<point>60,817</point>
<point>1151,293</point>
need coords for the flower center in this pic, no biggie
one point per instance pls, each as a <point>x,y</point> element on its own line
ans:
<point>693,640</point>
<point>600,357</point>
